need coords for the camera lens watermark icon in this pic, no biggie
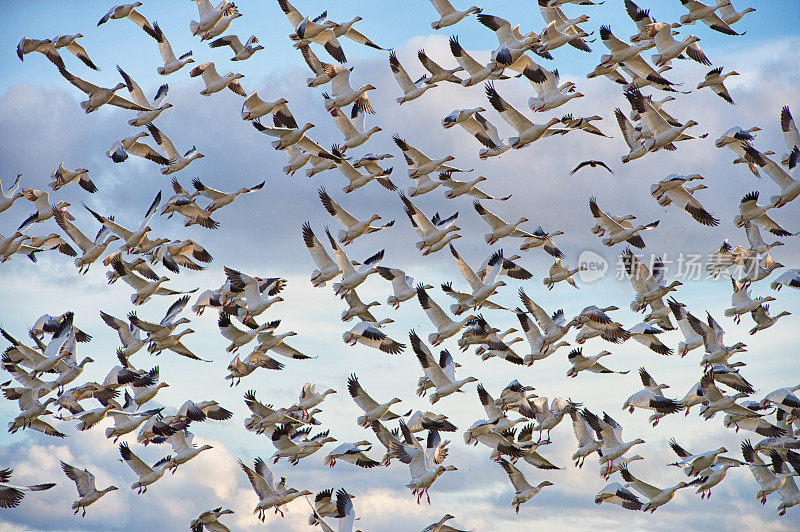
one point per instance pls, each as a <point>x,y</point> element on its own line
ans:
<point>593,266</point>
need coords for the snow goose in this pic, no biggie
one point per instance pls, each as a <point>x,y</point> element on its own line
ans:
<point>210,520</point>
<point>583,363</point>
<point>171,63</point>
<point>556,35</point>
<point>424,462</point>
<point>127,11</point>
<point>790,134</point>
<point>500,228</point>
<point>173,343</point>
<point>420,421</point>
<point>154,110</point>
<point>327,269</point>
<point>558,273</point>
<point>756,268</point>
<point>479,127</point>
<point>551,95</point>
<point>288,136</point>
<point>342,93</point>
<point>99,96</point>
<point>596,318</point>
<point>477,72</point>
<point>423,164</point>
<point>553,328</point>
<point>183,449</point>
<point>309,397</point>
<point>523,489</point>
<point>736,139</point>
<point>143,288</point>
<point>357,179</point>
<point>10,195</point>
<point>713,334</point>
<point>616,493</point>
<point>120,150</point>
<point>645,334</point>
<point>10,495</point>
<point>203,410</point>
<point>482,289</point>
<point>762,318</point>
<point>789,278</point>
<point>239,337</point>
<point>430,233</point>
<point>131,239</point>
<point>512,44</point>
<point>357,308</point>
<point>87,491</point>
<point>351,277</point>
<point>767,480</point>
<point>620,51</point>
<point>683,198</point>
<point>373,411</point>
<point>620,230</point>
<point>635,147</point>
<point>209,15</point>
<point>790,187</point>
<point>221,199</point>
<point>62,177</point>
<point>649,286</point>
<point>222,25</point>
<point>718,402</point>
<point>352,453</point>
<point>534,338</point>
<point>750,211</point>
<point>254,288</point>
<point>448,15</point>
<point>367,334</point>
<point>323,72</point>
<point>297,160</point>
<point>92,249</point>
<point>527,130</point>
<point>692,338</point>
<point>587,444</point>
<point>215,83</point>
<point>540,239</point>
<point>669,48</point>
<point>176,161</point>
<point>43,46</point>
<point>694,464</point>
<point>663,132</point>
<point>440,526</point>
<point>784,399</point>
<point>444,325</point>
<point>147,475</point>
<point>551,12</point>
<point>145,390</point>
<point>790,495</point>
<point>353,137</point>
<point>437,73</point>
<point>443,378</point>
<point>275,342</point>
<point>161,330</point>
<point>730,15</point>
<point>711,477</point>
<point>742,302</point>
<point>657,497</point>
<point>305,27</point>
<point>707,15</point>
<point>126,422</point>
<point>263,483</point>
<point>611,433</point>
<point>402,285</point>
<point>714,79</point>
<point>585,123</point>
<point>411,90</point>
<point>460,188</point>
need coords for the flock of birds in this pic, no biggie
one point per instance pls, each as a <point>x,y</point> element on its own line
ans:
<point>45,368</point>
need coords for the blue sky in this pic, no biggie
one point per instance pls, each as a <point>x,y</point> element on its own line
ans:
<point>43,125</point>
